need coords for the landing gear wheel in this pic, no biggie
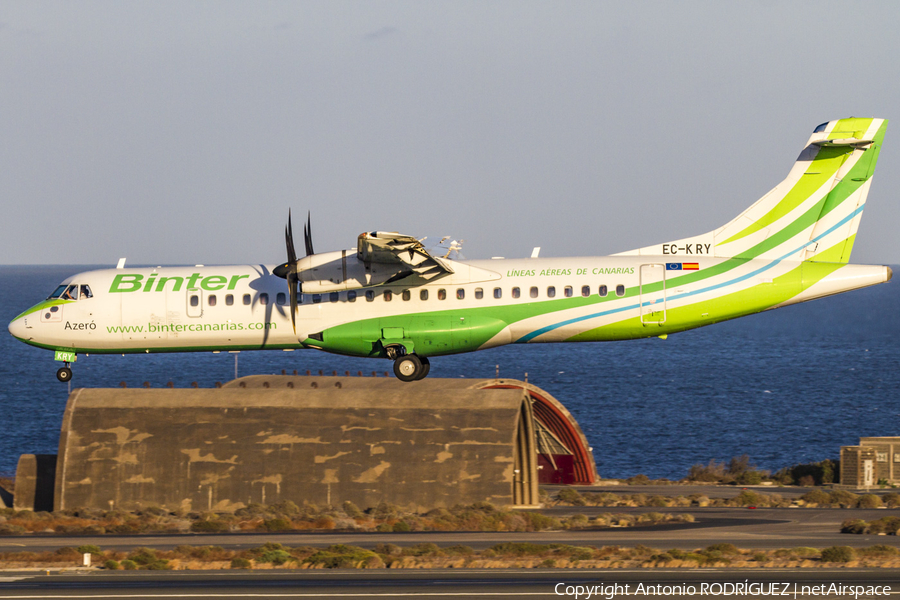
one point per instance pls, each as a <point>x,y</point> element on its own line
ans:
<point>408,368</point>
<point>426,367</point>
<point>64,374</point>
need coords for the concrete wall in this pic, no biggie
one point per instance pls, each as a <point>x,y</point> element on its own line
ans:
<point>35,482</point>
<point>198,449</point>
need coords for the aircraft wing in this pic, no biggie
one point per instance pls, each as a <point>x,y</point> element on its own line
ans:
<point>403,251</point>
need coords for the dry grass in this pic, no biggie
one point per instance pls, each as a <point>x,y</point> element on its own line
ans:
<point>427,555</point>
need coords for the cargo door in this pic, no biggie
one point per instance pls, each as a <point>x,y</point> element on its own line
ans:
<point>653,294</point>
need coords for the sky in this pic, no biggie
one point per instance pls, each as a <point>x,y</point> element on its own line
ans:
<point>183,132</point>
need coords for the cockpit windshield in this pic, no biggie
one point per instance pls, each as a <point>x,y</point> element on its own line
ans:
<point>57,292</point>
<point>71,292</point>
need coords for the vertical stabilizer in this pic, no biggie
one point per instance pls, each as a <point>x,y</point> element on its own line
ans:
<point>813,214</point>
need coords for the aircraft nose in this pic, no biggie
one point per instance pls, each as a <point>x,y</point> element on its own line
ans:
<point>17,328</point>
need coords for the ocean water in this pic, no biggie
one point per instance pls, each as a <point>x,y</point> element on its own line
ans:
<point>787,386</point>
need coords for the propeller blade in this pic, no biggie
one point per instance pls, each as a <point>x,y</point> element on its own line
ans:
<point>307,235</point>
<point>292,284</point>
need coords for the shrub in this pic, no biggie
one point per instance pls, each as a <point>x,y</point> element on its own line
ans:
<point>89,549</point>
<point>761,557</point>
<point>401,527</point>
<point>838,554</point>
<point>519,549</point>
<point>342,555</point>
<point>278,524</point>
<point>639,479</point>
<point>854,526</point>
<point>424,549</point>
<point>129,565</point>
<point>352,510</point>
<point>844,499</point>
<point>212,526</point>
<point>111,565</point>
<point>820,473</point>
<point>285,508</point>
<point>869,501</point>
<point>388,549</point>
<point>274,556</point>
<point>241,563</point>
<point>817,496</point>
<point>878,551</point>
<point>570,496</point>
<point>723,548</point>
<point>714,471</point>
<point>891,500</point>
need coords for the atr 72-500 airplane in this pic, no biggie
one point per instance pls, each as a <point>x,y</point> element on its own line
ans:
<point>390,298</point>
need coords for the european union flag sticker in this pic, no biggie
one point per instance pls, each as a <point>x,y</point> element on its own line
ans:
<point>673,266</point>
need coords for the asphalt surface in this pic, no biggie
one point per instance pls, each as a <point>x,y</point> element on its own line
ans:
<point>763,528</point>
<point>463,583</point>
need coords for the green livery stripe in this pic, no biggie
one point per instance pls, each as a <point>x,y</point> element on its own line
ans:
<point>42,305</point>
<point>855,127</point>
<point>839,253</point>
<point>737,304</point>
<point>822,169</point>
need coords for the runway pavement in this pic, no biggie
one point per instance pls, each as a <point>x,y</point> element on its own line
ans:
<point>350,585</point>
<point>764,528</point>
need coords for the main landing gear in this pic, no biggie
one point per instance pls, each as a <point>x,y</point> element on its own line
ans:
<point>411,367</point>
<point>64,374</point>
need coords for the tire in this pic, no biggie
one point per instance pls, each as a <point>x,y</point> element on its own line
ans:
<point>64,374</point>
<point>426,367</point>
<point>408,368</point>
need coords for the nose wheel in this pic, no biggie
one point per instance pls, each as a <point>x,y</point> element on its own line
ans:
<point>411,367</point>
<point>64,374</point>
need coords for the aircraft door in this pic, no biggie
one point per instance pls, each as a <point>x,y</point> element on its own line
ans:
<point>653,294</point>
<point>195,302</point>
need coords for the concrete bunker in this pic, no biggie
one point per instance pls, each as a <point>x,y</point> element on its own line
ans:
<point>322,440</point>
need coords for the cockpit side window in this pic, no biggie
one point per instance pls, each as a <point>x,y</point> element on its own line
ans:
<point>71,293</point>
<point>57,292</point>
<point>85,292</point>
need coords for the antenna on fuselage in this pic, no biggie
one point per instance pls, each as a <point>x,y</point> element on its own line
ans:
<point>121,263</point>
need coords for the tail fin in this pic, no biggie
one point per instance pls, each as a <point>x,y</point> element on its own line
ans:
<point>813,214</point>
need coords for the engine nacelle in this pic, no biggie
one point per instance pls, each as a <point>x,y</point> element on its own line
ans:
<point>343,270</point>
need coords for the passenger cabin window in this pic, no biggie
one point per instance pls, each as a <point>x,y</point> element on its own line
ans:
<point>246,299</point>
<point>351,296</point>
<point>534,292</point>
<point>211,299</point>
<point>603,291</point>
<point>264,299</point>
<point>85,292</point>
<point>460,294</point>
<point>498,293</point>
<point>568,292</point>
<point>423,295</point>
<point>479,293</point>
<point>317,298</point>
<point>585,290</point>
<point>370,295</point>
<point>516,292</point>
<point>406,295</point>
<point>229,300</point>
<point>551,292</point>
<point>334,296</point>
<point>195,300</point>
<point>620,290</point>
<point>442,294</point>
<point>280,299</point>
<point>388,295</point>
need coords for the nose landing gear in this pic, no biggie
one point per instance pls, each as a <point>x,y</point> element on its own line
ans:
<point>64,374</point>
<point>411,367</point>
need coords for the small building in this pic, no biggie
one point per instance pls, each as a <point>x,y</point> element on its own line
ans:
<point>857,467</point>
<point>321,440</point>
<point>887,457</point>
